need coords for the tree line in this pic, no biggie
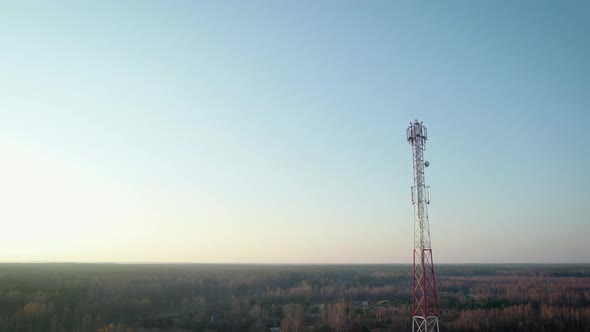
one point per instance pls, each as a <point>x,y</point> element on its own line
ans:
<point>111,297</point>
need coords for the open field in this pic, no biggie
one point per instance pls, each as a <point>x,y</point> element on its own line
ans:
<point>210,297</point>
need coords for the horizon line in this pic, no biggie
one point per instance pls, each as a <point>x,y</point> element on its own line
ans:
<point>282,264</point>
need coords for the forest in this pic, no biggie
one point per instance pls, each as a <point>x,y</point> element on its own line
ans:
<point>286,298</point>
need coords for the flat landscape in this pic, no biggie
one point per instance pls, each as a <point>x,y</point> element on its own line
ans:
<point>216,297</point>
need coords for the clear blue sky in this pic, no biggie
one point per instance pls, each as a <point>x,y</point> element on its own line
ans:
<point>274,131</point>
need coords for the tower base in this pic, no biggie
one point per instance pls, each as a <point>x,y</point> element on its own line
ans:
<point>419,324</point>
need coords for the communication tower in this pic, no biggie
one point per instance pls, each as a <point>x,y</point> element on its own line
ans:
<point>424,303</point>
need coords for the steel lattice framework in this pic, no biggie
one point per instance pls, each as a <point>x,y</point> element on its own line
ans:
<point>424,303</point>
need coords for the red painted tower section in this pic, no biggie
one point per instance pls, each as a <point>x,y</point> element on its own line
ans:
<point>424,303</point>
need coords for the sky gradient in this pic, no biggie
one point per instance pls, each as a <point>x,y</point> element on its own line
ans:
<point>274,132</point>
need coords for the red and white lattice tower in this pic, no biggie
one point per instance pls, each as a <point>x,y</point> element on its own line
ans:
<point>424,303</point>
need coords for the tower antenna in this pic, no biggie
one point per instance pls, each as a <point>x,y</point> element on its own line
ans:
<point>424,303</point>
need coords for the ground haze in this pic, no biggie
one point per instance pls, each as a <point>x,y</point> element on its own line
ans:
<point>210,297</point>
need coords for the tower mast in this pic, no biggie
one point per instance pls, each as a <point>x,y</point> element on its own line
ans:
<point>424,303</point>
